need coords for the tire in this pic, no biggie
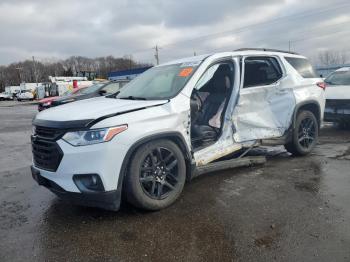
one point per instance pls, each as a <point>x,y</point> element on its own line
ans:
<point>156,175</point>
<point>305,134</point>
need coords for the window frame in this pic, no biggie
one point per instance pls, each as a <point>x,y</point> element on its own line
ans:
<point>223,60</point>
<point>315,75</point>
<point>279,63</point>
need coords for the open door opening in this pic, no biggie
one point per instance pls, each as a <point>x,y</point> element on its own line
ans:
<point>209,101</point>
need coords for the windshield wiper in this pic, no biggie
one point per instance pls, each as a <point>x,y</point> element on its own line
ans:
<point>133,98</point>
<point>113,95</point>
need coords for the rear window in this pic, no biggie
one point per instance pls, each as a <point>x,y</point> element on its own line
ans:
<point>303,67</point>
<point>339,78</point>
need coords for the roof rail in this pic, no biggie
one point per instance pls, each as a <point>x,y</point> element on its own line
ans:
<point>266,49</point>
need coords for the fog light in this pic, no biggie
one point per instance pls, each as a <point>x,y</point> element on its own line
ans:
<point>88,182</point>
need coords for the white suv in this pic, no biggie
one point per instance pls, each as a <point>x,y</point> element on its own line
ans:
<point>145,141</point>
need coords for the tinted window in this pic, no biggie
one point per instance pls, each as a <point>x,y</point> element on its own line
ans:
<point>339,78</point>
<point>303,67</point>
<point>89,90</point>
<point>260,71</point>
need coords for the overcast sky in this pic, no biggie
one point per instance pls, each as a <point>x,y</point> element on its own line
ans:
<point>58,29</point>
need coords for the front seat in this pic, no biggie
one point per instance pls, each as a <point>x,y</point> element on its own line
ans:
<point>218,88</point>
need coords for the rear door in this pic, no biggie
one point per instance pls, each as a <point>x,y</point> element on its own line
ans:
<point>265,106</point>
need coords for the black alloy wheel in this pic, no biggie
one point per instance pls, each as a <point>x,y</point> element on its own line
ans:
<point>156,175</point>
<point>306,132</point>
<point>159,173</point>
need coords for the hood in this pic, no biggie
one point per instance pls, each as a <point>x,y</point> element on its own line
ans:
<point>74,97</point>
<point>48,99</point>
<point>93,108</point>
<point>337,92</point>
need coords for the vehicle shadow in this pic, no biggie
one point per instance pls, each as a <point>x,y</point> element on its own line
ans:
<point>189,230</point>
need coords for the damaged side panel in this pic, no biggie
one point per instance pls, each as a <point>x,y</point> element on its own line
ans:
<point>265,112</point>
<point>266,102</point>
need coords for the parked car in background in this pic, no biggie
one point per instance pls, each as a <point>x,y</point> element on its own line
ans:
<point>338,97</point>
<point>46,102</point>
<point>5,96</point>
<point>172,122</point>
<point>25,95</point>
<point>98,89</point>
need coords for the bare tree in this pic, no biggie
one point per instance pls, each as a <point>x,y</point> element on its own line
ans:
<point>332,57</point>
<point>68,67</point>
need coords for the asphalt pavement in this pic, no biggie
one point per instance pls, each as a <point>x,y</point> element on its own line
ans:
<point>291,209</point>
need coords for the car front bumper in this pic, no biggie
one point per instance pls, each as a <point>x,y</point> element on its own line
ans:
<point>109,200</point>
<point>105,160</point>
<point>337,115</point>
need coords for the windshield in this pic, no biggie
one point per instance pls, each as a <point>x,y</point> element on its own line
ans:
<point>161,82</point>
<point>90,89</point>
<point>68,92</point>
<point>339,78</point>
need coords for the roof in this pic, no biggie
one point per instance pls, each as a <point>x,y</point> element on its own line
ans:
<point>238,52</point>
<point>334,67</point>
<point>134,71</point>
<point>343,69</point>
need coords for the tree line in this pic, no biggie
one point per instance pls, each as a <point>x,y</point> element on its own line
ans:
<point>31,71</point>
<point>333,57</point>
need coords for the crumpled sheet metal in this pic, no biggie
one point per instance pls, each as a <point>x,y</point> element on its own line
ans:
<point>263,114</point>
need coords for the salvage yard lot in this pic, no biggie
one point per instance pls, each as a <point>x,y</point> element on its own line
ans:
<point>291,209</point>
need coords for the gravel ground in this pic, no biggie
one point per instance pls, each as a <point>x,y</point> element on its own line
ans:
<point>291,209</point>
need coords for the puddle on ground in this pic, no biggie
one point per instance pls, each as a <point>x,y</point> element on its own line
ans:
<point>337,151</point>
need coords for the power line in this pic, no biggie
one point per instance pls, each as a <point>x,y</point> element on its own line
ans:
<point>245,28</point>
<point>306,34</point>
<point>272,21</point>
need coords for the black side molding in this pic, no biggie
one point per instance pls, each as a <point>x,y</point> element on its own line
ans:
<point>76,124</point>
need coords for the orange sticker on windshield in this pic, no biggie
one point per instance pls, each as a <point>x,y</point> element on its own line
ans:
<point>186,72</point>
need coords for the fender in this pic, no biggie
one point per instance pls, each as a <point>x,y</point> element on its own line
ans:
<point>305,103</point>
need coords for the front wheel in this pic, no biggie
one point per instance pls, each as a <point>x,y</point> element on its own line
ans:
<point>305,134</point>
<point>156,175</point>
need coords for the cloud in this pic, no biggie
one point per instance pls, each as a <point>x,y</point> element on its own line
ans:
<point>119,27</point>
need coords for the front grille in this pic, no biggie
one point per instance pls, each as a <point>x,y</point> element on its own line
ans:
<point>338,103</point>
<point>48,133</point>
<point>47,154</point>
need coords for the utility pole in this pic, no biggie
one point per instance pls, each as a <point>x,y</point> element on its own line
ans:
<point>35,74</point>
<point>289,45</point>
<point>130,59</point>
<point>19,74</point>
<point>156,54</point>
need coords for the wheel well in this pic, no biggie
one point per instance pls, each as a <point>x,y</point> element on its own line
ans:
<point>314,108</point>
<point>172,137</point>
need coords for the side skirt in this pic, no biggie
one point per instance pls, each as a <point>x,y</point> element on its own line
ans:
<point>228,164</point>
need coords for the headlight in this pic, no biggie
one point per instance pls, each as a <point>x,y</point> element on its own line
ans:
<point>47,103</point>
<point>93,136</point>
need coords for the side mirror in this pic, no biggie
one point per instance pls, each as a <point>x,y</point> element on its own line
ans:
<point>102,92</point>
